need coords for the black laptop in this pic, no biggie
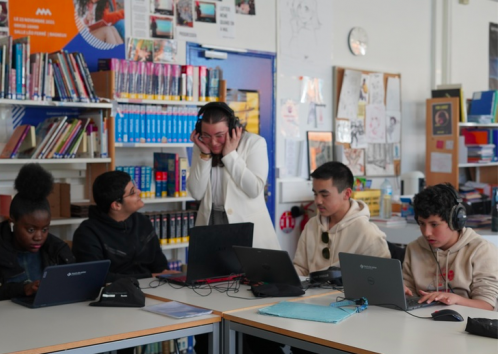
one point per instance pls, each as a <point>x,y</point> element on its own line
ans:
<point>267,266</point>
<point>379,280</point>
<point>211,257</point>
<point>68,283</point>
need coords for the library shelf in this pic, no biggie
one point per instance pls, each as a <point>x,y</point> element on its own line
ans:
<point>89,105</point>
<point>166,200</point>
<point>472,125</point>
<point>66,221</point>
<point>478,164</point>
<point>161,102</point>
<point>54,161</point>
<point>152,145</point>
<point>174,246</point>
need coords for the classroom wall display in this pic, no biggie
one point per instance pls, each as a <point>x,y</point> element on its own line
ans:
<point>94,28</point>
<point>319,148</point>
<point>371,101</point>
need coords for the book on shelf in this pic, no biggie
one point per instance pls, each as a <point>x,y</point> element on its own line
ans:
<point>26,144</point>
<point>11,147</point>
<point>168,162</point>
<point>452,90</point>
<point>477,221</point>
<point>6,43</point>
<point>483,106</point>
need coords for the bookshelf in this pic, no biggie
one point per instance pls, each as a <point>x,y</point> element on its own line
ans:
<point>443,147</point>
<point>79,172</point>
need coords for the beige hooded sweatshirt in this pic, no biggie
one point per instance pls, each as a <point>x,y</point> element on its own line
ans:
<point>469,267</point>
<point>353,234</point>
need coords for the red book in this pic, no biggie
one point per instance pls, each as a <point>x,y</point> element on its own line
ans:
<point>15,141</point>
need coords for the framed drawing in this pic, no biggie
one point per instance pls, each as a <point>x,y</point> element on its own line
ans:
<point>319,148</point>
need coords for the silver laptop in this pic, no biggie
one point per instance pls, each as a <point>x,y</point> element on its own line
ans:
<point>379,280</point>
<point>68,283</point>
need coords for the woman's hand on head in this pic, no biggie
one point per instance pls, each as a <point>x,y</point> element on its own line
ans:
<point>232,140</point>
<point>195,138</point>
<point>31,288</point>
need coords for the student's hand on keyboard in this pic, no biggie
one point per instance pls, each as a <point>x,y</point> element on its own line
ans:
<point>31,288</point>
<point>445,298</point>
<point>165,271</point>
<point>408,291</point>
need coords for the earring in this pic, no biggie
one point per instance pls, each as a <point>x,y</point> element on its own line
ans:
<point>12,227</point>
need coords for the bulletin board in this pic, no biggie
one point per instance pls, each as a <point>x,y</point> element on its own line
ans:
<point>368,152</point>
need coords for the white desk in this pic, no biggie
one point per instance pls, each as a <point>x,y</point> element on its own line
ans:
<point>375,330</point>
<point>406,234</point>
<point>79,328</point>
<point>217,302</point>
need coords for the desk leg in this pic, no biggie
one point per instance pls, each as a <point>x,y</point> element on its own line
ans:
<point>229,338</point>
<point>214,339</point>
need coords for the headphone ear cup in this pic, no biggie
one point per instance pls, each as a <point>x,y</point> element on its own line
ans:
<point>458,217</point>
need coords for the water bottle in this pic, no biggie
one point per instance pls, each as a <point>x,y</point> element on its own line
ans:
<point>386,199</point>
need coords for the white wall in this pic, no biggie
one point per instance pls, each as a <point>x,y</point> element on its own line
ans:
<point>469,42</point>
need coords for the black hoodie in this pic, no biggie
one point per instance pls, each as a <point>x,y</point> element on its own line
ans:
<point>132,245</point>
<point>53,252</point>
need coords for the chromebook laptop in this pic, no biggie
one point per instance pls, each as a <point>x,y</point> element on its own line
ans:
<point>211,257</point>
<point>267,266</point>
<point>379,280</point>
<point>68,283</point>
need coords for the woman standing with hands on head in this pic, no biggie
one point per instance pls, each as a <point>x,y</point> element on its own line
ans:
<point>26,246</point>
<point>229,172</point>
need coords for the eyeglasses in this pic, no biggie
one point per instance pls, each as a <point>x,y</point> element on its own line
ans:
<point>132,192</point>
<point>218,137</point>
<point>325,237</point>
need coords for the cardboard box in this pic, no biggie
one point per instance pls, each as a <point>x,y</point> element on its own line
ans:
<point>59,201</point>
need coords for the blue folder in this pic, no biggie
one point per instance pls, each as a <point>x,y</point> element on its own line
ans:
<point>309,312</point>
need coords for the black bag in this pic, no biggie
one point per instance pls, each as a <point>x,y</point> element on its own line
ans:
<point>482,327</point>
<point>276,290</point>
<point>124,292</point>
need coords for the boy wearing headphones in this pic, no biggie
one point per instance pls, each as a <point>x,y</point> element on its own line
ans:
<point>449,263</point>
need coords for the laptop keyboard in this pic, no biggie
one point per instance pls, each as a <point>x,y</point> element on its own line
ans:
<point>412,303</point>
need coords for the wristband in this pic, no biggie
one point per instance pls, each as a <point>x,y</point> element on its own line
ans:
<point>207,156</point>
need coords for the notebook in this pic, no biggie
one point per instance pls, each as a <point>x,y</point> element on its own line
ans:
<point>211,257</point>
<point>68,283</point>
<point>379,280</point>
<point>267,266</point>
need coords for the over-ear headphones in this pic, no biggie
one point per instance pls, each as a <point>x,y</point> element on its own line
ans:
<point>458,215</point>
<point>232,120</point>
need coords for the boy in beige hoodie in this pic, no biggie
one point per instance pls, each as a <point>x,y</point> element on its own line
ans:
<point>449,263</point>
<point>341,225</point>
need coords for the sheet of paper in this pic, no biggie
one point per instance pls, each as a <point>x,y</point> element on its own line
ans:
<point>342,131</point>
<point>376,92</point>
<point>440,162</point>
<point>375,123</point>
<point>225,16</point>
<point>393,126</point>
<point>349,95</point>
<point>393,100</point>
<point>358,134</point>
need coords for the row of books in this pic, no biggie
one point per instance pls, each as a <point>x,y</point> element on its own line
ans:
<point>58,76</point>
<point>172,227</point>
<point>56,138</point>
<point>170,177</point>
<point>177,169</point>
<point>474,138</point>
<point>154,124</point>
<point>158,81</point>
<point>483,107</point>
<point>480,153</point>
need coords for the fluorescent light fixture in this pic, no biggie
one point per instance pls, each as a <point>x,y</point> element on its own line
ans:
<point>212,54</point>
<point>209,46</point>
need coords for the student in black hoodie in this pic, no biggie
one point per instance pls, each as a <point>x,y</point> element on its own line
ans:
<point>26,246</point>
<point>116,231</point>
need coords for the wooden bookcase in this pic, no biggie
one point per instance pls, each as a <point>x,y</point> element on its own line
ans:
<point>443,145</point>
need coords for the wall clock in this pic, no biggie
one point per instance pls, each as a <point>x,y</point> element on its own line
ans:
<point>358,41</point>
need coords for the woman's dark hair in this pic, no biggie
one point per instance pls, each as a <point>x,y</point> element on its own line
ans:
<point>109,187</point>
<point>340,174</point>
<point>213,113</point>
<point>33,185</point>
